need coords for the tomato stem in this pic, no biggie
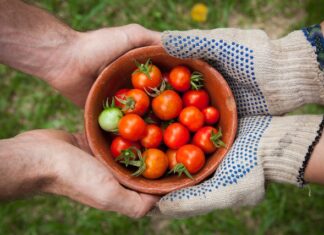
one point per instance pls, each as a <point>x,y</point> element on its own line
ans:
<point>215,138</point>
<point>179,168</point>
<point>129,103</point>
<point>144,68</point>
<point>156,91</point>
<point>127,157</point>
<point>196,80</point>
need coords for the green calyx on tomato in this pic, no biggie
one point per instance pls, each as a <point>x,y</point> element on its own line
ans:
<point>128,158</point>
<point>144,68</point>
<point>110,116</point>
<point>128,103</point>
<point>179,168</point>
<point>216,139</point>
<point>196,80</point>
<point>127,155</point>
<point>155,91</point>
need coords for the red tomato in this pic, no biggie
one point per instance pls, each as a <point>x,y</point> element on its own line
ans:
<point>208,139</point>
<point>211,115</point>
<point>119,144</point>
<point>120,95</point>
<point>136,101</point>
<point>171,154</point>
<point>140,80</point>
<point>153,136</point>
<point>192,157</point>
<point>132,127</point>
<point>179,78</point>
<point>198,98</point>
<point>176,135</point>
<point>192,118</point>
<point>167,105</point>
<point>156,163</point>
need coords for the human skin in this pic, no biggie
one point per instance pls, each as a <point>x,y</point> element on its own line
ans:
<point>57,162</point>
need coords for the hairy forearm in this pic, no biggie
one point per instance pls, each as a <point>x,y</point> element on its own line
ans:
<point>31,40</point>
<point>21,174</point>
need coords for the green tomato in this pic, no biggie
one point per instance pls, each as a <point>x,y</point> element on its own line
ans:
<point>109,118</point>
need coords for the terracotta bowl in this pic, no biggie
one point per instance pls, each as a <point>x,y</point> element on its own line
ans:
<point>116,76</point>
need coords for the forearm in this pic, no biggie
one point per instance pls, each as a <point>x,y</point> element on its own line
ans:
<point>31,40</point>
<point>20,174</point>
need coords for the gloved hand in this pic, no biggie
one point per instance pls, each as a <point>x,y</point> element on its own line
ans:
<point>267,77</point>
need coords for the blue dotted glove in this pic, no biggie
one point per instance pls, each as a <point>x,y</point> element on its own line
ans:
<point>267,78</point>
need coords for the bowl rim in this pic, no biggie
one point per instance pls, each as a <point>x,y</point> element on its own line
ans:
<point>125,180</point>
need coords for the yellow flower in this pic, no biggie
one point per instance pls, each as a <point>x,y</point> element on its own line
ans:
<point>199,12</point>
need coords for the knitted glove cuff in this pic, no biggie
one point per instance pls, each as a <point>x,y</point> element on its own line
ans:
<point>287,145</point>
<point>315,36</point>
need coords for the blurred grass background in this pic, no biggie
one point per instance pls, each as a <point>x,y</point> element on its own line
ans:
<point>27,103</point>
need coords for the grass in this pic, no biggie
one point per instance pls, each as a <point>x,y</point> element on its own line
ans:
<point>27,103</point>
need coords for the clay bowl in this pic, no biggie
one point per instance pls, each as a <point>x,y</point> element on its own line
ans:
<point>116,76</point>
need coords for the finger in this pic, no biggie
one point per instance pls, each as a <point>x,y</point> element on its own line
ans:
<point>133,204</point>
<point>139,36</point>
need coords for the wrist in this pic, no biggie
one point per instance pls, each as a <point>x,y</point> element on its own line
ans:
<point>23,171</point>
<point>287,145</point>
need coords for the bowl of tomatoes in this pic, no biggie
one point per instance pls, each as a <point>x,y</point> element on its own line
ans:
<point>160,123</point>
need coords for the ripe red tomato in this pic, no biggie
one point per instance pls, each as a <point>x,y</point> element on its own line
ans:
<point>132,127</point>
<point>136,101</point>
<point>141,80</point>
<point>119,144</point>
<point>171,154</point>
<point>211,115</point>
<point>179,78</point>
<point>167,105</point>
<point>192,157</point>
<point>176,135</point>
<point>120,95</point>
<point>197,98</point>
<point>153,136</point>
<point>192,118</point>
<point>156,163</point>
<point>208,139</point>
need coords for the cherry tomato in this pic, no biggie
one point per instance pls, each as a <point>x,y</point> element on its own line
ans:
<point>208,139</point>
<point>192,118</point>
<point>211,115</point>
<point>136,101</point>
<point>167,105</point>
<point>198,98</point>
<point>141,80</point>
<point>179,78</point>
<point>156,163</point>
<point>153,136</point>
<point>176,135</point>
<point>132,127</point>
<point>119,144</point>
<point>109,117</point>
<point>171,154</point>
<point>192,157</point>
<point>120,95</point>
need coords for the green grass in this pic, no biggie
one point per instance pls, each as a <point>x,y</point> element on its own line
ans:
<point>27,103</point>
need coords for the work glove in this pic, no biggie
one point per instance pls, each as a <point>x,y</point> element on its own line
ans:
<point>268,78</point>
